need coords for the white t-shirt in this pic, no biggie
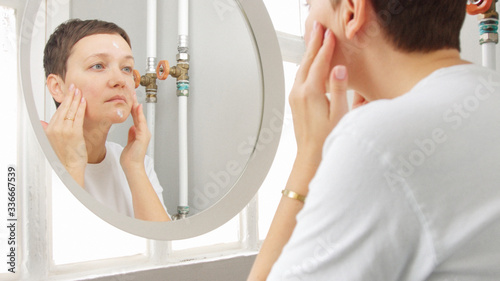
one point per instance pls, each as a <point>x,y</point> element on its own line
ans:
<point>107,182</point>
<point>408,189</point>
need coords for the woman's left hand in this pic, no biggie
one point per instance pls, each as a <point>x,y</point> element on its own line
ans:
<point>138,139</point>
<point>314,114</point>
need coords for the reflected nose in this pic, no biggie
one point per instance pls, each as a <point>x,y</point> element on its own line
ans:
<point>117,78</point>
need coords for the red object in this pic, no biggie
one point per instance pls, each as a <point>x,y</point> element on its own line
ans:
<point>137,78</point>
<point>479,8</point>
<point>162,74</point>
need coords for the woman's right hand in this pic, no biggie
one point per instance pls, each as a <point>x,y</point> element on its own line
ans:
<point>65,133</point>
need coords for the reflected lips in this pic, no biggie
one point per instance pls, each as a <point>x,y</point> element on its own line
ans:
<point>117,98</point>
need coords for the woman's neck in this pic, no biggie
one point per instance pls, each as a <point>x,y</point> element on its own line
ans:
<point>95,139</point>
<point>392,75</point>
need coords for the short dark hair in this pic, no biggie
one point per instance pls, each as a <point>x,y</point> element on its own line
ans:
<point>420,25</point>
<point>58,47</point>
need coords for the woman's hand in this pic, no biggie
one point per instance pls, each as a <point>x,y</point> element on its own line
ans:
<point>314,117</point>
<point>147,205</point>
<point>65,133</point>
<point>138,140</point>
<point>314,114</point>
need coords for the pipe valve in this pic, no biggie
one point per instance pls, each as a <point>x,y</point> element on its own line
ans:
<point>179,71</point>
<point>137,78</point>
<point>488,19</point>
<point>148,80</point>
<point>162,70</point>
<point>476,7</point>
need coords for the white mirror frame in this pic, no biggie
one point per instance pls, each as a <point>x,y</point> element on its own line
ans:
<point>268,54</point>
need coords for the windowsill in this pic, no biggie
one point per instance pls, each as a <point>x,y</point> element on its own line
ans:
<point>192,262</point>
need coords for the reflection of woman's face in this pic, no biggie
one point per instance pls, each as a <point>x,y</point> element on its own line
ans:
<point>101,66</point>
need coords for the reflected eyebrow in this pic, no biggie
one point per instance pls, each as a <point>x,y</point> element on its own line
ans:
<point>104,55</point>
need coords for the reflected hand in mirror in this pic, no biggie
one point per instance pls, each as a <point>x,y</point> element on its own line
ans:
<point>66,133</point>
<point>89,70</point>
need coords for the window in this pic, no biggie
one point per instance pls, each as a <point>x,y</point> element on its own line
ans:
<point>97,239</point>
<point>287,16</point>
<point>270,191</point>
<point>290,34</point>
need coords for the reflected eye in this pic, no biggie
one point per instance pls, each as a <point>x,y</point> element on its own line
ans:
<point>97,66</point>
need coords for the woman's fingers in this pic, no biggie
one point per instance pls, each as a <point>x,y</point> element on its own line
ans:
<point>68,98</point>
<point>312,50</point>
<point>63,108</point>
<point>80,113</point>
<point>70,115</point>
<point>131,135</point>
<point>320,68</point>
<point>338,90</point>
<point>138,137</point>
<point>44,125</point>
<point>141,118</point>
<point>140,124</point>
<point>67,110</point>
<point>138,114</point>
<point>135,111</point>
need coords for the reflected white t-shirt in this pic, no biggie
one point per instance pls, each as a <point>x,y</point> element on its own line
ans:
<point>107,182</point>
<point>408,189</point>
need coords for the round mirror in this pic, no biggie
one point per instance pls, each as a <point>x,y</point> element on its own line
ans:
<point>235,107</point>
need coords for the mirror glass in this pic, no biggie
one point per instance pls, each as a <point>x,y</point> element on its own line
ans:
<point>235,107</point>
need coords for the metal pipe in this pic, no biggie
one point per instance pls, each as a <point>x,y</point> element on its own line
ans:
<point>151,29</point>
<point>183,23</point>
<point>183,161</point>
<point>488,29</point>
<point>151,87</point>
<point>489,55</point>
<point>488,36</point>
<point>150,118</point>
<point>181,73</point>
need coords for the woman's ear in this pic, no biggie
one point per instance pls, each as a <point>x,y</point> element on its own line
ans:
<point>355,16</point>
<point>55,85</point>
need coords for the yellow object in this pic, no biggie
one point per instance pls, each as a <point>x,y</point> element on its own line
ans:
<point>293,195</point>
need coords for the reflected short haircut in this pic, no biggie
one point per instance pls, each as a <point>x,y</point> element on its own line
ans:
<point>420,25</point>
<point>59,46</point>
